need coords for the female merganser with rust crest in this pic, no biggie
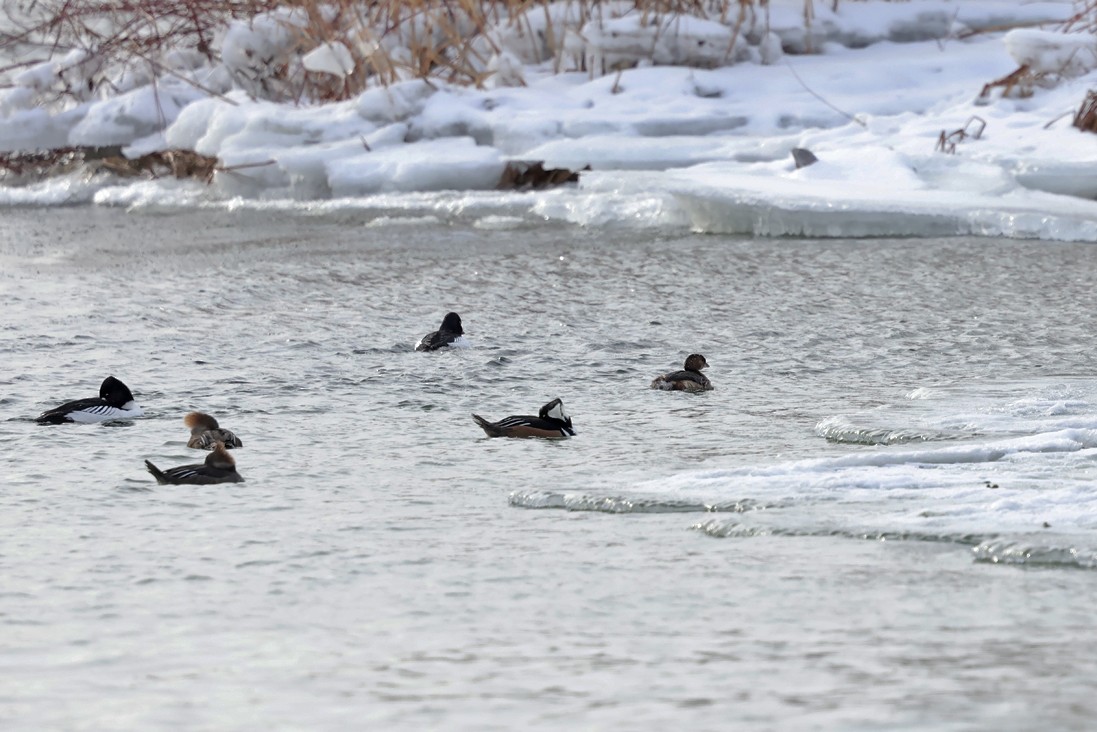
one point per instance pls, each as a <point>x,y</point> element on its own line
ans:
<point>551,422</point>
<point>449,332</point>
<point>205,432</point>
<point>219,467</point>
<point>691,379</point>
<point>115,402</point>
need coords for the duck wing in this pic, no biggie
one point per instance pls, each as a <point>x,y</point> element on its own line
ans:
<point>61,414</point>
<point>437,339</point>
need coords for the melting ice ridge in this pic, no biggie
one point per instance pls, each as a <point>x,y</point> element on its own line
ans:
<point>1017,484</point>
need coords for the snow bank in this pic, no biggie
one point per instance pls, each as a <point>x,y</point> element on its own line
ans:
<point>693,120</point>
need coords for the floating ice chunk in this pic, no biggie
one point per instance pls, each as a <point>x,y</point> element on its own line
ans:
<point>1047,52</point>
<point>330,58</point>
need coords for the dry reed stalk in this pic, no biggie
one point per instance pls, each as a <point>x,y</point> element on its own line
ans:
<point>1084,19</point>
<point>388,39</point>
<point>1018,84</point>
<point>1085,118</point>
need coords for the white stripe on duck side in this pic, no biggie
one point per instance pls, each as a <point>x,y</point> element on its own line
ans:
<point>105,412</point>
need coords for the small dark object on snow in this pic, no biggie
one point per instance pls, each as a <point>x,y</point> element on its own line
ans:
<point>523,175</point>
<point>803,157</point>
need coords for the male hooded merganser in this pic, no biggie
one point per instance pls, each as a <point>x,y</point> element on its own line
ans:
<point>449,332</point>
<point>551,422</point>
<point>219,467</point>
<point>115,402</point>
<point>204,432</point>
<point>691,379</point>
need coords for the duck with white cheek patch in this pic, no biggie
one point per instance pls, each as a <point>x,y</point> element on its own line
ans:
<point>551,422</point>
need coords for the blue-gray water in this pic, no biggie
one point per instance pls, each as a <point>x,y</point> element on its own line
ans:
<point>884,517</point>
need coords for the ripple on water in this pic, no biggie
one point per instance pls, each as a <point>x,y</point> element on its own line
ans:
<point>721,529</point>
<point>840,430</point>
<point>1035,553</point>
<point>539,499</point>
<point>376,522</point>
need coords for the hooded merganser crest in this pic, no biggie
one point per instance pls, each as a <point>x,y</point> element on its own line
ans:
<point>115,402</point>
<point>691,379</point>
<point>205,432</point>
<point>219,467</point>
<point>551,422</point>
<point>449,331</point>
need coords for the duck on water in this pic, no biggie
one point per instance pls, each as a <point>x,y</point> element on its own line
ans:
<point>551,422</point>
<point>115,401</point>
<point>689,379</point>
<point>218,467</point>
<point>445,336</point>
<point>205,432</point>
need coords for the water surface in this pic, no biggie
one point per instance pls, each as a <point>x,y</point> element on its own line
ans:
<point>882,518</point>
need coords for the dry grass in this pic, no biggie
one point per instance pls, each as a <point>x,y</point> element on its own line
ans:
<point>1085,118</point>
<point>28,167</point>
<point>116,34</point>
<point>1084,19</point>
<point>455,41</point>
<point>389,40</point>
<point>972,130</point>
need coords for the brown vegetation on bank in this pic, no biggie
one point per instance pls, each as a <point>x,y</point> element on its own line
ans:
<point>387,39</point>
<point>18,168</point>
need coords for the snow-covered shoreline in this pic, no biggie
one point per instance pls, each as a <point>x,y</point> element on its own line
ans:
<point>667,145</point>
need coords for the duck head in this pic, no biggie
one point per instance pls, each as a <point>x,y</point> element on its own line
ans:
<point>555,410</point>
<point>114,392</point>
<point>452,324</point>
<point>695,362</point>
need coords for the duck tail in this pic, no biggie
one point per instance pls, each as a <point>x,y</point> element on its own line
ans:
<point>53,416</point>
<point>488,427</point>
<point>156,473</point>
